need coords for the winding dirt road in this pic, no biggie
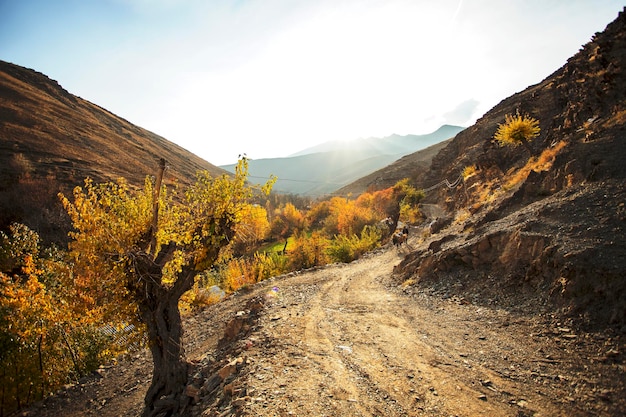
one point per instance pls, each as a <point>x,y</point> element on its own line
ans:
<point>345,340</point>
<point>338,342</point>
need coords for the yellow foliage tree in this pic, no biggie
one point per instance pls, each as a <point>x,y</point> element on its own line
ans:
<point>308,250</point>
<point>347,217</point>
<point>138,252</point>
<point>253,227</point>
<point>287,221</point>
<point>47,338</point>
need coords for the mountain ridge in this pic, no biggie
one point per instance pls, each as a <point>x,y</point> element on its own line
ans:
<point>323,173</point>
<point>394,144</point>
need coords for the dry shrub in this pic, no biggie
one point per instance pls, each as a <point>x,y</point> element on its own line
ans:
<point>239,273</point>
<point>408,283</point>
<point>469,171</point>
<point>518,129</point>
<point>200,296</point>
<point>242,272</point>
<point>462,215</point>
<point>270,265</point>
<point>541,163</point>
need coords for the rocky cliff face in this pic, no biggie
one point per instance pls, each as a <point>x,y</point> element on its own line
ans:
<point>546,232</point>
<point>582,104</point>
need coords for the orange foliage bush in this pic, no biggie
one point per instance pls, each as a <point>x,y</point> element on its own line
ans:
<point>287,221</point>
<point>346,217</point>
<point>308,251</point>
<point>541,163</point>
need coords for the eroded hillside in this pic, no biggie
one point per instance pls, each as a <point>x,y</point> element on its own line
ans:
<point>549,226</point>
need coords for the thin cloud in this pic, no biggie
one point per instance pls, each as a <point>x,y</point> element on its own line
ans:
<point>462,114</point>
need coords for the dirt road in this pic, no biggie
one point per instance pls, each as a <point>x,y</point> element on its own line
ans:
<point>338,342</point>
<point>343,341</point>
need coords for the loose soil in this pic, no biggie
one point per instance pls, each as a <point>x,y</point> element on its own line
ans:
<point>343,340</point>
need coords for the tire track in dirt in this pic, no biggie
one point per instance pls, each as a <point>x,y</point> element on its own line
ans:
<point>387,358</point>
<point>353,348</point>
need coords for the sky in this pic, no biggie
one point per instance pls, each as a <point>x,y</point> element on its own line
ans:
<point>268,78</point>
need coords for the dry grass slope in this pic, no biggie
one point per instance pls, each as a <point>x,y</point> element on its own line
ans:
<point>51,140</point>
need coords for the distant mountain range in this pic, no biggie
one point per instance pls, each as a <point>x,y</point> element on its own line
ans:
<point>327,167</point>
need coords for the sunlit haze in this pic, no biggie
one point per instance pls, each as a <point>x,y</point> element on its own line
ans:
<point>271,77</point>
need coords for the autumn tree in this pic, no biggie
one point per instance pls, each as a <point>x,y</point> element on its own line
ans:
<point>346,217</point>
<point>47,338</point>
<point>309,250</point>
<point>138,252</point>
<point>252,228</point>
<point>403,197</point>
<point>317,214</point>
<point>517,129</point>
<point>287,221</point>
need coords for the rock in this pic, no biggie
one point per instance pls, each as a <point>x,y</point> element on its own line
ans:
<point>232,330</point>
<point>605,395</point>
<point>212,383</point>
<point>229,369</point>
<point>240,402</point>
<point>229,389</point>
<point>193,392</point>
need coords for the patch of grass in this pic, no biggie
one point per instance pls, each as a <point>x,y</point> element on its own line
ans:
<point>277,246</point>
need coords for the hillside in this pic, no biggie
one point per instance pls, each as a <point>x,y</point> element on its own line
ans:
<point>410,166</point>
<point>50,140</point>
<point>325,168</point>
<point>551,226</point>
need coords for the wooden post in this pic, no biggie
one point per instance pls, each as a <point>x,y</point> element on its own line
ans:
<point>155,206</point>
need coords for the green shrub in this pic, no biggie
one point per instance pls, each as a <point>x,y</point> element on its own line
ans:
<point>348,248</point>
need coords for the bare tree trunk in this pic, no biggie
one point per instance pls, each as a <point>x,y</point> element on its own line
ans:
<point>526,145</point>
<point>158,305</point>
<point>155,206</point>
